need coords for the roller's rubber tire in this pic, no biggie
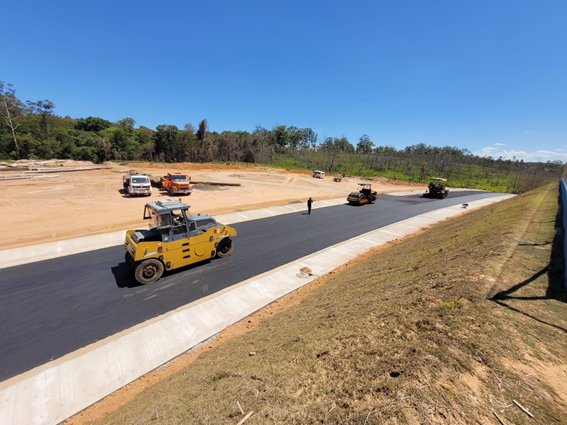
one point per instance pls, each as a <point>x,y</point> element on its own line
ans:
<point>148,271</point>
<point>225,248</point>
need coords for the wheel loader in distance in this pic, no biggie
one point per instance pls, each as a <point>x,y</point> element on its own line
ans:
<point>365,196</point>
<point>436,189</point>
<point>175,239</point>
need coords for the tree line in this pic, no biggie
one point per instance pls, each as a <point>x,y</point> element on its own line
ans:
<point>32,130</point>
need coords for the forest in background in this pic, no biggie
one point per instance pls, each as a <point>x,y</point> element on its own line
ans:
<point>32,130</point>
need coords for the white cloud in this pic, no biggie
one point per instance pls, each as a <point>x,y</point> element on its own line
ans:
<point>546,154</point>
<point>485,151</point>
<point>500,144</point>
<point>559,149</point>
<point>535,156</point>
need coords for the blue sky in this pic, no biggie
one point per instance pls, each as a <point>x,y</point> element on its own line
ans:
<point>489,76</point>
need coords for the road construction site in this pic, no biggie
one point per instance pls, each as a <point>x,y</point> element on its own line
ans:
<point>91,200</point>
<point>325,244</point>
<point>85,337</point>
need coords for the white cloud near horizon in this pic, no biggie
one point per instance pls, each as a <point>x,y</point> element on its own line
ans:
<point>485,151</point>
<point>500,144</point>
<point>535,156</point>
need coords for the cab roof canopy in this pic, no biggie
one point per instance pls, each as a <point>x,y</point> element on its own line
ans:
<point>164,205</point>
<point>438,179</point>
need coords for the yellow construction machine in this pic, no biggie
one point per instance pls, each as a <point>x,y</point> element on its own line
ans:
<point>365,196</point>
<point>174,239</point>
<point>437,188</point>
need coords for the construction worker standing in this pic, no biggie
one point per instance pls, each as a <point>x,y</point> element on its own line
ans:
<point>309,203</point>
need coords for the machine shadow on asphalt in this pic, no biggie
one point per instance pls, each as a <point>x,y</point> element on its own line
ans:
<point>123,276</point>
<point>125,279</point>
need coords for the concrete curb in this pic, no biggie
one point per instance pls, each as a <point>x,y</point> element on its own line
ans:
<point>51,393</point>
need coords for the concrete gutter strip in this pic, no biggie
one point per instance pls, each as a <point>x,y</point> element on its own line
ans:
<point>57,390</point>
<point>47,251</point>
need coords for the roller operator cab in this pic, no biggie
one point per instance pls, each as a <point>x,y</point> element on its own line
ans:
<point>174,239</point>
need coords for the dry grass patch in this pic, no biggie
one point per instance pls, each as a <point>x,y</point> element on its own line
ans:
<point>439,328</point>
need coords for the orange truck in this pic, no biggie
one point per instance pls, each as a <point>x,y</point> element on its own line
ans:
<point>177,183</point>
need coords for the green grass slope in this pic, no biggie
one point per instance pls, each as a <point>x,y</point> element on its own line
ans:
<point>449,326</point>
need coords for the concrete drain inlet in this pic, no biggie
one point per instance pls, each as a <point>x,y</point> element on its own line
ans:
<point>304,273</point>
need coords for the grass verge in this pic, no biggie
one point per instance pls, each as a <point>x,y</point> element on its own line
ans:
<point>450,326</point>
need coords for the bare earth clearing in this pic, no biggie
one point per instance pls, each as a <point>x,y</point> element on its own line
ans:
<point>68,205</point>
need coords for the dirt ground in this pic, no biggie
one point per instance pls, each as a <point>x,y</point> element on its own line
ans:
<point>69,205</point>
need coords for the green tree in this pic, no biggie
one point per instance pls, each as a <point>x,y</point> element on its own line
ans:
<point>203,131</point>
<point>343,145</point>
<point>145,138</point>
<point>127,124</point>
<point>43,108</point>
<point>166,142</point>
<point>10,110</point>
<point>279,138</point>
<point>364,145</point>
<point>92,124</point>
<point>308,139</point>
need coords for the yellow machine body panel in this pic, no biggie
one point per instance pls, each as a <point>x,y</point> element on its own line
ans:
<point>174,239</point>
<point>182,252</point>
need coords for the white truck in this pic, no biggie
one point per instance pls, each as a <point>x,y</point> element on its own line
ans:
<point>137,184</point>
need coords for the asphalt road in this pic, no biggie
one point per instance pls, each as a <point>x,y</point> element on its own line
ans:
<point>54,307</point>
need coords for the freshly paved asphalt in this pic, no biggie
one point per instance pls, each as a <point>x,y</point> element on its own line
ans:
<point>52,308</point>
